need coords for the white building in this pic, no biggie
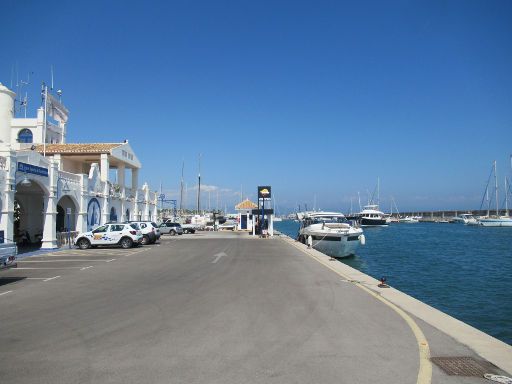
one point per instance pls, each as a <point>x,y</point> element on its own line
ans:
<point>48,187</point>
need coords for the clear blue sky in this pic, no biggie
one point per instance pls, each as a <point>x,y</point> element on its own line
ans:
<point>311,97</point>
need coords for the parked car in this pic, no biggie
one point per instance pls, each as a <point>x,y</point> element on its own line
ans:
<point>187,228</point>
<point>150,231</point>
<point>172,229</point>
<point>8,253</point>
<point>125,235</point>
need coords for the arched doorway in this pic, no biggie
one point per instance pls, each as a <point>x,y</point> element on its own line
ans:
<point>113,215</point>
<point>29,214</point>
<point>65,205</point>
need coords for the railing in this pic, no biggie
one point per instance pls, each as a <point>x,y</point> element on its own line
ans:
<point>69,177</point>
<point>128,192</point>
<point>66,238</point>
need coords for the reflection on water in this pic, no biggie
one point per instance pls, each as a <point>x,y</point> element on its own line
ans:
<point>465,271</point>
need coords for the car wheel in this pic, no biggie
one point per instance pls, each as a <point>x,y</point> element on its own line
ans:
<point>126,242</point>
<point>145,240</point>
<point>83,244</point>
<point>172,233</point>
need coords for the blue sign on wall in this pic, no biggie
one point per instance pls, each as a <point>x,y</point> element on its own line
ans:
<point>29,168</point>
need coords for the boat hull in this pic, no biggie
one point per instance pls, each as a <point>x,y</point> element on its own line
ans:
<point>334,245</point>
<point>369,222</point>
<point>338,247</point>
<point>504,222</point>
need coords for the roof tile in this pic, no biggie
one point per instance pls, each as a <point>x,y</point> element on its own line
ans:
<point>78,148</point>
<point>246,204</point>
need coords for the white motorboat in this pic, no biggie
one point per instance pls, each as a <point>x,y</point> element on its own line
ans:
<point>330,233</point>
<point>409,219</point>
<point>465,218</point>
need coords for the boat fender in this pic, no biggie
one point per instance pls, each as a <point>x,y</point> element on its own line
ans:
<point>362,239</point>
<point>310,241</point>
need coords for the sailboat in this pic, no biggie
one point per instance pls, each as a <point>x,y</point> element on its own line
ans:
<point>497,220</point>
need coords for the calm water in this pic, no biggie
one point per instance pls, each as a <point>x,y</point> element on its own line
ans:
<point>461,270</point>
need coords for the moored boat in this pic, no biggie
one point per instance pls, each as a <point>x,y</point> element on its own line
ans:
<point>371,216</point>
<point>497,220</point>
<point>330,233</point>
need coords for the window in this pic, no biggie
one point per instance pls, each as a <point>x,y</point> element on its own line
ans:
<point>134,226</point>
<point>116,228</point>
<point>103,228</point>
<point>25,136</point>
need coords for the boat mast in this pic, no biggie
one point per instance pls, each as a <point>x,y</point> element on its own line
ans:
<point>199,188</point>
<point>378,190</point>
<point>181,187</point>
<point>506,197</point>
<point>496,188</point>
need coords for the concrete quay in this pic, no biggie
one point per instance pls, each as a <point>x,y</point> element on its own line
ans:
<point>223,308</point>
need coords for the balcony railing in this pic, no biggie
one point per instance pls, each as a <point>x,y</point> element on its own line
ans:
<point>70,177</point>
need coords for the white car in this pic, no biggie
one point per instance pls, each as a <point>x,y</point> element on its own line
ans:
<point>125,235</point>
<point>150,231</point>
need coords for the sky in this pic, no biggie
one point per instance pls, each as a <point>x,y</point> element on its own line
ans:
<point>318,99</point>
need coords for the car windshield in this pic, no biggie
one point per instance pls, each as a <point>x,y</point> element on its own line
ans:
<point>134,225</point>
<point>103,228</point>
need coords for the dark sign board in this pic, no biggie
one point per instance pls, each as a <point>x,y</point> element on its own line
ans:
<point>264,192</point>
<point>34,169</point>
<point>266,212</point>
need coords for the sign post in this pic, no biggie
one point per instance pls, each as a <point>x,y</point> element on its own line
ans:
<point>264,193</point>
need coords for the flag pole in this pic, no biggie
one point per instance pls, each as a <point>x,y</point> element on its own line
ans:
<point>45,118</point>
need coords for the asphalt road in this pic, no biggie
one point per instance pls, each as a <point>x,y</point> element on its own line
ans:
<point>209,309</point>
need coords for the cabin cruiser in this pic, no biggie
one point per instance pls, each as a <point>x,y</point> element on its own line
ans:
<point>371,216</point>
<point>465,218</point>
<point>330,233</point>
<point>409,219</point>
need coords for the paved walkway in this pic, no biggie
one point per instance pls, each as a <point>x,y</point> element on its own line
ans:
<point>207,309</point>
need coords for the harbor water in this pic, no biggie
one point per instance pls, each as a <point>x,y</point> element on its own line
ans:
<point>464,271</point>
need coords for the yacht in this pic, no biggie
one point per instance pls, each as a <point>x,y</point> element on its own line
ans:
<point>371,216</point>
<point>330,233</point>
<point>409,219</point>
<point>465,218</point>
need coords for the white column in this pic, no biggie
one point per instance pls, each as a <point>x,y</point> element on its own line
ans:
<point>7,213</point>
<point>81,223</point>
<point>271,225</point>
<point>135,179</point>
<point>49,240</point>
<point>105,206</point>
<point>146,202</point>
<point>121,177</point>
<point>58,160</point>
<point>104,167</point>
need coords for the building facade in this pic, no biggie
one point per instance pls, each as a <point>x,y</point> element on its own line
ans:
<point>50,188</point>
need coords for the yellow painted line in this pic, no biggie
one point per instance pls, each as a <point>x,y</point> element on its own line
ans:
<point>425,369</point>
